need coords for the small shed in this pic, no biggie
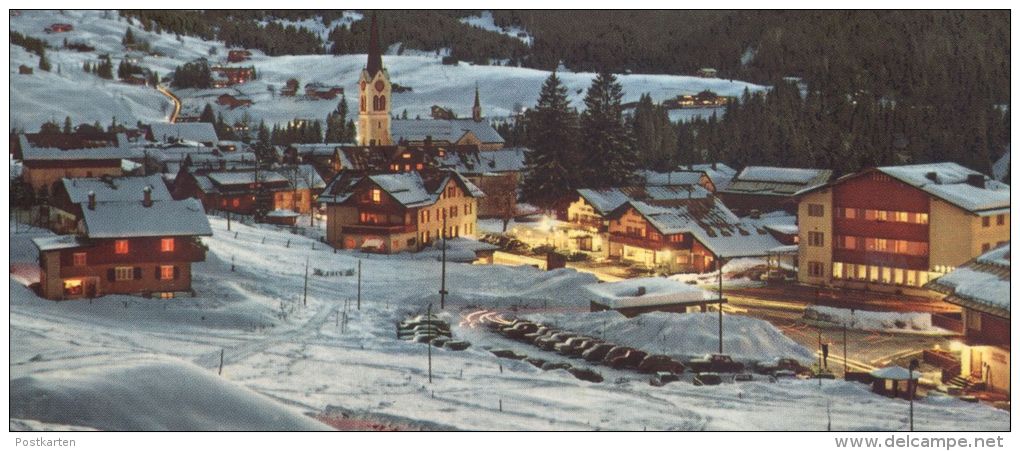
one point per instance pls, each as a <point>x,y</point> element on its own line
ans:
<point>282,217</point>
<point>889,380</point>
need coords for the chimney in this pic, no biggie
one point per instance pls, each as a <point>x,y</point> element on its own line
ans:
<point>933,176</point>
<point>976,180</point>
<point>92,200</point>
<point>641,291</point>
<point>147,200</point>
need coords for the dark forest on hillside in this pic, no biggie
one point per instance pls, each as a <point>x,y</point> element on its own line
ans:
<point>878,87</point>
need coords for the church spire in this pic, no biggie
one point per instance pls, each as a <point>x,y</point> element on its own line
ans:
<point>374,55</point>
<point>476,111</point>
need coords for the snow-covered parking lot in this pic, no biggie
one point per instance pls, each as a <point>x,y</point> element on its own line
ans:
<point>131,363</point>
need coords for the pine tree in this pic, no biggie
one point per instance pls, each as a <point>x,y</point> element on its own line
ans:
<point>207,115</point>
<point>129,38</point>
<point>609,158</point>
<point>655,139</point>
<point>551,167</point>
<point>44,63</point>
<point>67,125</point>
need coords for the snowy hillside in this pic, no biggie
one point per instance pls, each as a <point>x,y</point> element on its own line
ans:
<point>47,96</point>
<point>285,360</point>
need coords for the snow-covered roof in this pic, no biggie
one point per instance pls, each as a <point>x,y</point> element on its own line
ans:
<point>606,200</point>
<point>449,130</point>
<point>283,214</point>
<point>202,132</point>
<point>776,181</point>
<point>948,181</point>
<point>711,223</point>
<point>245,177</point>
<point>30,154</point>
<point>720,173</point>
<point>657,291</point>
<point>672,177</point>
<point>410,189</point>
<point>115,189</point>
<point>302,176</point>
<point>132,219</point>
<point>56,242</point>
<point>896,373</point>
<point>1001,167</point>
<point>510,159</point>
<point>981,284</point>
<point>317,149</point>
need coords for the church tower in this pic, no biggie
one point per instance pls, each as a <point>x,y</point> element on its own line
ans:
<point>476,111</point>
<point>375,89</point>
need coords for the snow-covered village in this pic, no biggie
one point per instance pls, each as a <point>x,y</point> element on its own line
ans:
<point>505,220</point>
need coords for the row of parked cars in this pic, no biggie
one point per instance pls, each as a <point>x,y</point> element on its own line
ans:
<point>430,329</point>
<point>590,349</point>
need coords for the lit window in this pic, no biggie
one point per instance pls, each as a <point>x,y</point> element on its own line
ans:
<point>124,273</point>
<point>72,288</point>
<point>121,246</point>
<point>236,202</point>
<point>166,272</point>
<point>376,196</point>
<point>79,259</point>
<point>166,245</point>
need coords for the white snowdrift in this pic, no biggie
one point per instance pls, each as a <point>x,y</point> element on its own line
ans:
<point>149,395</point>
<point>874,321</point>
<point>685,335</point>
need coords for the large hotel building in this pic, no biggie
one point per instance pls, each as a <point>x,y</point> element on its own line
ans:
<point>895,228</point>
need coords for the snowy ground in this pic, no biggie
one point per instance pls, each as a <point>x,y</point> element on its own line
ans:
<point>285,360</point>
<point>69,91</point>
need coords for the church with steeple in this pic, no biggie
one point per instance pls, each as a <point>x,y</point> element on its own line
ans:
<point>377,127</point>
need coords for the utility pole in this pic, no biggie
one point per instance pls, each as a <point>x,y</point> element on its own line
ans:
<point>912,385</point>
<point>442,286</point>
<point>846,368</point>
<point>304,296</point>
<point>429,345</point>
<point>359,284</point>
<point>718,264</point>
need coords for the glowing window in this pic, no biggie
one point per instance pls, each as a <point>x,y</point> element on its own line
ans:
<point>376,195</point>
<point>166,272</point>
<point>121,246</point>
<point>166,245</point>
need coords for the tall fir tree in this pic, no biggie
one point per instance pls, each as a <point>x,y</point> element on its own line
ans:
<point>609,158</point>
<point>551,168</point>
<point>655,140</point>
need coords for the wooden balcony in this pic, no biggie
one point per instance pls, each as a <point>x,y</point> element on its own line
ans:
<point>378,229</point>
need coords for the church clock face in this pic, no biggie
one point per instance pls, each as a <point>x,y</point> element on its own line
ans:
<point>379,85</point>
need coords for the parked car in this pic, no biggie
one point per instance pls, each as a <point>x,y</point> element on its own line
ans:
<point>631,360</point>
<point>659,362</point>
<point>456,345</point>
<point>507,354</point>
<point>771,366</point>
<point>618,351</point>
<point>743,377</point>
<point>585,374</point>
<point>707,378</point>
<point>555,366</point>
<point>519,330</point>
<point>439,341</point>
<point>541,332</point>
<point>598,352</point>
<point>582,346</point>
<point>568,346</point>
<point>537,362</point>
<point>550,342</point>
<point>782,374</point>
<point>662,378</point>
<point>717,363</point>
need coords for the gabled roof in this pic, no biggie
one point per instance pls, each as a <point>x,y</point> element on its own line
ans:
<point>449,130</point>
<point>776,181</point>
<point>57,242</point>
<point>115,189</point>
<point>708,221</point>
<point>132,219</point>
<point>245,177</point>
<point>720,173</point>
<point>30,152</point>
<point>948,181</point>
<point>410,189</point>
<point>604,201</point>
<point>185,131</point>
<point>981,284</point>
<point>474,161</point>
<point>654,178</point>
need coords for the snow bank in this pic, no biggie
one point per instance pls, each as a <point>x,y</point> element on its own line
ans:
<point>685,335</point>
<point>874,321</point>
<point>656,290</point>
<point>149,395</point>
